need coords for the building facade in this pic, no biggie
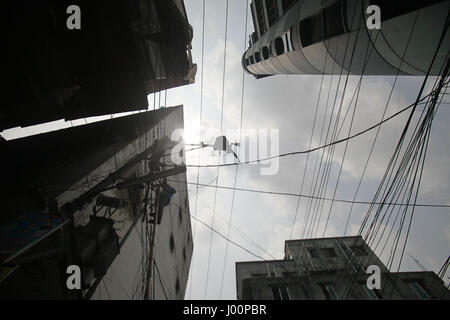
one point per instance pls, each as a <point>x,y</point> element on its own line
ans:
<point>121,52</point>
<point>103,182</point>
<point>332,37</point>
<point>331,269</point>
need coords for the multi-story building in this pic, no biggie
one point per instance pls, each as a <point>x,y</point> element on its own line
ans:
<point>334,36</point>
<point>98,187</point>
<point>121,52</point>
<point>331,268</point>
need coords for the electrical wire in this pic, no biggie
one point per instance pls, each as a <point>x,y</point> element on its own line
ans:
<point>218,160</point>
<point>238,152</point>
<point>309,150</point>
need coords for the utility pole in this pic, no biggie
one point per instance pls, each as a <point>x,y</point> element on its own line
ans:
<point>152,251</point>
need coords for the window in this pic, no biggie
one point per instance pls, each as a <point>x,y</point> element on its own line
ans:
<point>184,253</point>
<point>311,30</point>
<point>272,11</point>
<point>328,291</point>
<point>177,286</point>
<point>279,46</point>
<point>329,252</point>
<point>420,289</point>
<point>180,215</point>
<point>392,9</point>
<point>332,20</point>
<point>265,52</point>
<point>373,294</point>
<point>287,4</point>
<point>259,275</point>
<point>172,243</point>
<point>257,57</point>
<point>284,293</point>
<point>314,253</point>
<point>280,293</point>
<point>272,271</point>
<point>329,23</point>
<point>359,250</point>
<point>246,290</point>
<point>276,293</point>
<point>260,17</point>
<point>289,274</point>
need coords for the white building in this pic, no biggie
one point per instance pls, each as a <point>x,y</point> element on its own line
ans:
<point>332,36</point>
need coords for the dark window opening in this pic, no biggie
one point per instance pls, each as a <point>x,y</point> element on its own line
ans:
<point>272,274</point>
<point>172,243</point>
<point>311,30</point>
<point>329,23</point>
<point>359,251</point>
<point>272,11</point>
<point>246,291</point>
<point>314,253</point>
<point>332,20</point>
<point>328,291</point>
<point>374,294</point>
<point>289,274</point>
<point>280,293</point>
<point>184,253</point>
<point>284,293</point>
<point>257,57</point>
<point>260,16</point>
<point>420,289</point>
<point>259,275</point>
<point>287,4</point>
<point>180,215</point>
<point>330,252</point>
<point>255,20</point>
<point>265,52</point>
<point>391,9</point>
<point>279,46</point>
<point>177,286</point>
<point>276,293</point>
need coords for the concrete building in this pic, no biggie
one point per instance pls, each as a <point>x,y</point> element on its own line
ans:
<point>330,268</point>
<point>122,51</point>
<point>332,36</point>
<point>102,181</point>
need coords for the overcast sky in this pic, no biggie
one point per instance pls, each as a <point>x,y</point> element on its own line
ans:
<point>288,103</point>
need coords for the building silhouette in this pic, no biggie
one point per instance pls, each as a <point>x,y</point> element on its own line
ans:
<point>331,269</point>
<point>123,51</point>
<point>88,196</point>
<point>332,37</point>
